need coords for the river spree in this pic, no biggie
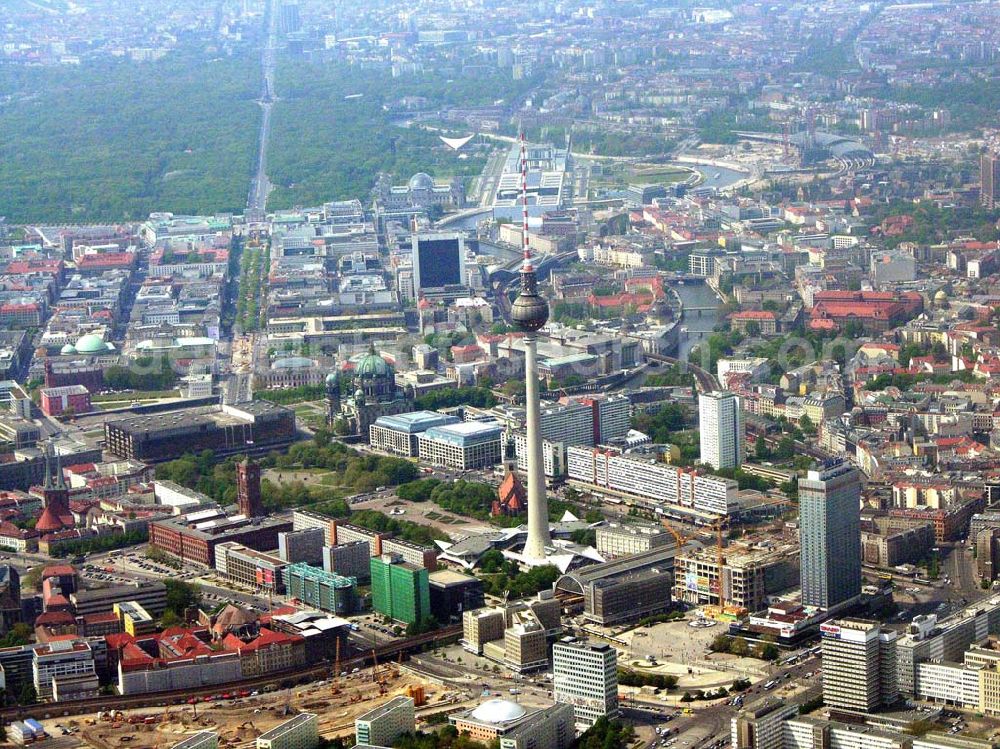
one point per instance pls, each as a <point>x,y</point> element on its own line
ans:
<point>696,294</point>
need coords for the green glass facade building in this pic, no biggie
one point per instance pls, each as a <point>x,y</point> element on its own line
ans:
<point>400,590</point>
<point>320,589</point>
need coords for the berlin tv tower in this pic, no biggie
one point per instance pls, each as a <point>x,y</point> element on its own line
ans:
<point>529,313</point>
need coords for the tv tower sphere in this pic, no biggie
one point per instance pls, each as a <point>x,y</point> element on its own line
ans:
<point>529,311</point>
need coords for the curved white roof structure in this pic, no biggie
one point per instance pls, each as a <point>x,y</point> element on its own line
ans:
<point>498,711</point>
<point>456,143</point>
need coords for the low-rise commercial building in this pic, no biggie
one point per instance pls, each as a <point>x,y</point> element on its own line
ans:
<point>194,536</point>
<point>134,618</point>
<point>624,589</point>
<point>464,446</point>
<point>619,540</point>
<point>256,426</point>
<point>250,568</point>
<point>516,726</point>
<point>152,596</point>
<point>452,594</point>
<point>399,434</point>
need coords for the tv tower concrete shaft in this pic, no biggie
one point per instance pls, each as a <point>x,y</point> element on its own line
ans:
<point>538,505</point>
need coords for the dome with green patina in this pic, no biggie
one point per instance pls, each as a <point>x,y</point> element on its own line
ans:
<point>371,365</point>
<point>69,348</point>
<point>91,344</point>
<point>331,379</point>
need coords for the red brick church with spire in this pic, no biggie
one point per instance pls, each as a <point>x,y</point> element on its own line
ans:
<point>56,515</point>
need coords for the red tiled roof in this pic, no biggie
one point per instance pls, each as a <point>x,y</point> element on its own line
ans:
<point>58,570</point>
<point>54,618</point>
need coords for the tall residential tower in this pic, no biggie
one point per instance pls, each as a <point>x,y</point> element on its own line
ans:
<point>830,534</point>
<point>720,426</point>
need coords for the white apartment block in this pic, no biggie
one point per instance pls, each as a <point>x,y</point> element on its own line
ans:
<point>585,675</point>
<point>613,417</point>
<point>720,426</point>
<point>571,423</point>
<point>384,724</point>
<point>553,456</point>
<point>660,482</point>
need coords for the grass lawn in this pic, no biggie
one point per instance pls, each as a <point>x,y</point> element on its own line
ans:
<point>666,175</point>
<point>139,395</point>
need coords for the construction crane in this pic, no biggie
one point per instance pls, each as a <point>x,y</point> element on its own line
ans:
<point>720,561</point>
<point>336,669</point>
<point>377,675</point>
<point>678,536</point>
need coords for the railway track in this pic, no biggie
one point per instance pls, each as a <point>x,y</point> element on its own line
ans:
<point>385,651</point>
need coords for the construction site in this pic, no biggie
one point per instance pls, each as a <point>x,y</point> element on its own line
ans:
<point>239,718</point>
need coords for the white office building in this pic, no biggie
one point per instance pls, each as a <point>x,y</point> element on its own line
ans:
<point>949,683</point>
<point>59,659</point>
<point>720,425</point>
<point>200,740</point>
<point>859,665</point>
<point>301,732</point>
<point>762,725</point>
<point>384,724</point>
<point>585,675</point>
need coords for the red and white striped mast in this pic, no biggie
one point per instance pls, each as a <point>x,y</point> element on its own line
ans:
<point>528,268</point>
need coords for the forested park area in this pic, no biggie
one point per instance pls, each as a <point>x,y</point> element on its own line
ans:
<point>115,140</point>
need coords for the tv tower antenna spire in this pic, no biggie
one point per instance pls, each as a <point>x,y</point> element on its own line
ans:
<point>526,246</point>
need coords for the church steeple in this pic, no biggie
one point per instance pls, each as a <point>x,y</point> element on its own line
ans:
<point>60,480</point>
<point>48,467</point>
